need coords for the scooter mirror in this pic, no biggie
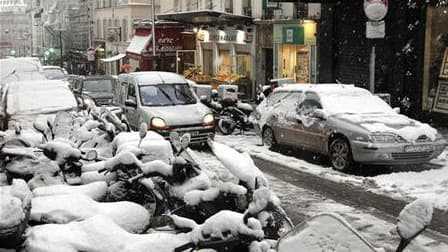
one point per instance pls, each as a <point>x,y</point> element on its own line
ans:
<point>331,228</point>
<point>143,130</point>
<point>413,219</point>
<point>91,155</point>
<point>175,140</point>
<point>185,140</point>
<point>39,126</point>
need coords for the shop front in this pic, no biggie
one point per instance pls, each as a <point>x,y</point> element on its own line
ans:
<point>295,51</point>
<point>226,57</point>
<point>224,51</point>
<point>169,40</point>
<point>435,74</point>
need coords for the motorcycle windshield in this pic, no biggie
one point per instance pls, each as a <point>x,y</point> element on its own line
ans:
<point>323,232</point>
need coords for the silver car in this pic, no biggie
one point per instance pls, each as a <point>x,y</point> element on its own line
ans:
<point>165,102</point>
<point>348,124</point>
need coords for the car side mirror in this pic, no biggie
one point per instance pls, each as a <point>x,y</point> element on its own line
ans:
<point>320,114</point>
<point>397,110</point>
<point>130,103</point>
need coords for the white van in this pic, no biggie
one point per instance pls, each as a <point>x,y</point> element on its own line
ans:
<point>166,102</point>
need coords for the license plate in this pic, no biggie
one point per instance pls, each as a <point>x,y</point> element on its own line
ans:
<point>192,133</point>
<point>418,148</point>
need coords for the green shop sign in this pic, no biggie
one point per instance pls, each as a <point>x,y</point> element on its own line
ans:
<point>298,34</point>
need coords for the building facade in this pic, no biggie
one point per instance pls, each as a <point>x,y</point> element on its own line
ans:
<point>114,28</point>
<point>15,28</point>
<point>410,61</point>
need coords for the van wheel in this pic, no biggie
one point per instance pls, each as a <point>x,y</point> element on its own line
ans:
<point>341,155</point>
<point>268,138</point>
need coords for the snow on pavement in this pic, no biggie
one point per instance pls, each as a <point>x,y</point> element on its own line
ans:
<point>300,204</point>
<point>419,183</point>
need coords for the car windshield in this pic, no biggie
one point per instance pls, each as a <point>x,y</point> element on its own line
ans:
<point>96,86</point>
<point>166,95</point>
<point>354,104</point>
<point>54,74</point>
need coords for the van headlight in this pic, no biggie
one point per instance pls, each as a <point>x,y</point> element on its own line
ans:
<point>158,123</point>
<point>208,120</point>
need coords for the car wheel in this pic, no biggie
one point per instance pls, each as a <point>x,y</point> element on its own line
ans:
<point>341,155</point>
<point>226,125</point>
<point>268,138</point>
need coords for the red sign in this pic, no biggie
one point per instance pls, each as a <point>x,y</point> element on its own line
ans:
<point>168,40</point>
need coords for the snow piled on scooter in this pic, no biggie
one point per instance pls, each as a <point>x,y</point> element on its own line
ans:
<point>97,233</point>
<point>240,165</point>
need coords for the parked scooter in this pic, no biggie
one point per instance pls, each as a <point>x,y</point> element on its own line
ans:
<point>322,232</point>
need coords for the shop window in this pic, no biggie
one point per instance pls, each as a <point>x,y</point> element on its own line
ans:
<point>436,60</point>
<point>295,62</point>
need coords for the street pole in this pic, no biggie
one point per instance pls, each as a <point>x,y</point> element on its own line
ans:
<point>153,34</point>
<point>372,70</point>
<point>60,42</point>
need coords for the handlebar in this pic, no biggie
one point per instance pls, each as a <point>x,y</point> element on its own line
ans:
<point>218,245</point>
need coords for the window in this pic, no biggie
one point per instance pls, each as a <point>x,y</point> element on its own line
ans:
<point>98,28</point>
<point>97,86</point>
<point>104,28</point>
<point>131,93</point>
<point>309,104</point>
<point>275,98</point>
<point>124,30</point>
<point>166,95</point>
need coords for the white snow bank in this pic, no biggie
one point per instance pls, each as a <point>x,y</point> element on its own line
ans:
<point>227,222</point>
<point>70,207</point>
<point>414,217</point>
<point>96,190</point>
<point>44,179</point>
<point>93,176</point>
<point>98,233</point>
<point>157,166</point>
<point>428,184</point>
<point>240,165</point>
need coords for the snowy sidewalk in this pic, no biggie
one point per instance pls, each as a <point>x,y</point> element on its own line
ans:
<point>404,183</point>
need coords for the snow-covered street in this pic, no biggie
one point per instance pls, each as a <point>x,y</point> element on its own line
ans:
<point>404,183</point>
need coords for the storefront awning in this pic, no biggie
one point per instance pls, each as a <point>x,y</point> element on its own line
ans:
<point>206,17</point>
<point>114,58</point>
<point>138,44</point>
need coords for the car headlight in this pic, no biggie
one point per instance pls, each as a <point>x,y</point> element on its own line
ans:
<point>208,120</point>
<point>158,124</point>
<point>383,138</point>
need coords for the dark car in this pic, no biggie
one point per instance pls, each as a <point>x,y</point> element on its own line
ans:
<point>98,89</point>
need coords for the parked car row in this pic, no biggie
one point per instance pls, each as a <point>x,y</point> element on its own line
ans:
<point>348,124</point>
<point>164,101</point>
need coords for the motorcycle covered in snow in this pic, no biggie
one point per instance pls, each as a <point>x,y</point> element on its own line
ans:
<point>322,232</point>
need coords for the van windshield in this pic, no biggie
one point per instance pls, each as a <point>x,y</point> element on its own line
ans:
<point>166,95</point>
<point>96,86</point>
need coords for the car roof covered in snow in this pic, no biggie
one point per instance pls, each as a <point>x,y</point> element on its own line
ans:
<point>156,77</point>
<point>325,89</point>
<point>39,96</point>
